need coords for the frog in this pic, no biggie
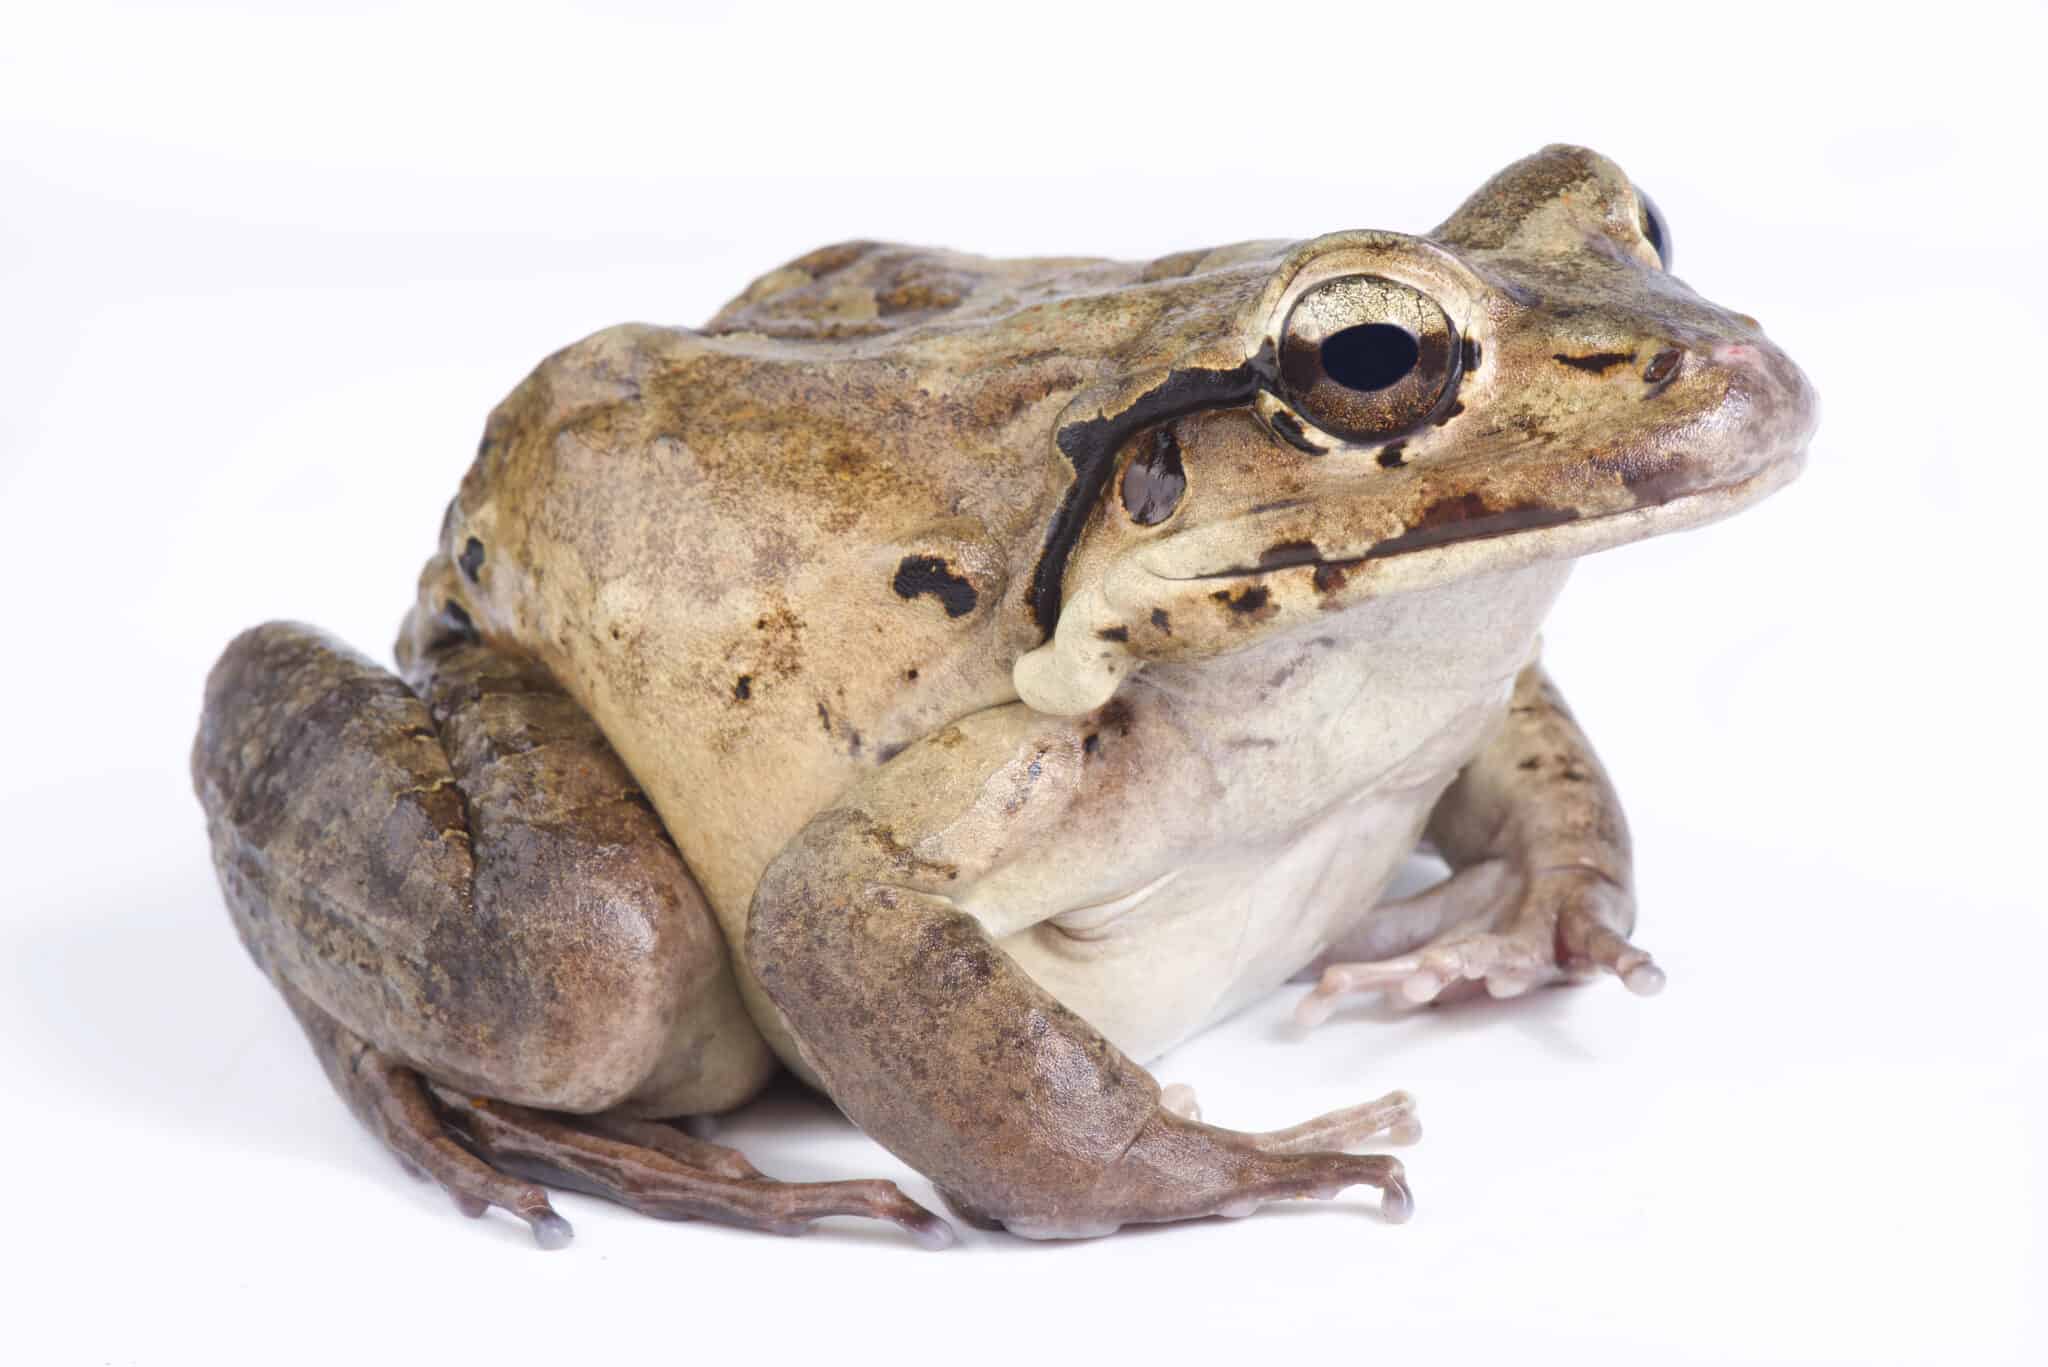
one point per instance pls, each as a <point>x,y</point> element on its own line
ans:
<point>957,681</point>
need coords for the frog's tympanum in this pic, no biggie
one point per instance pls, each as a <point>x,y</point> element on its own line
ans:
<point>958,680</point>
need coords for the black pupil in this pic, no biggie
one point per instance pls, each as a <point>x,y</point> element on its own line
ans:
<point>1370,356</point>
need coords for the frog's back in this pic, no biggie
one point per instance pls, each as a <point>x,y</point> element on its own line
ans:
<point>767,553</point>
<point>872,289</point>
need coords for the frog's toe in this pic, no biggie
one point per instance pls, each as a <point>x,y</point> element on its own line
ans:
<point>1392,1118</point>
<point>551,1231</point>
<point>1420,978</point>
<point>1586,944</point>
<point>661,1171</point>
<point>1181,1169</point>
<point>1563,929</point>
<point>393,1100</point>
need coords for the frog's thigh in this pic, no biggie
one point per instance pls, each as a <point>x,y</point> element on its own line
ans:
<point>466,879</point>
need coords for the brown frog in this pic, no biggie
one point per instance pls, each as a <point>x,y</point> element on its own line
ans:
<point>959,680</point>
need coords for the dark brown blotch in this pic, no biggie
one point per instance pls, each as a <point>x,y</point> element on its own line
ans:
<point>918,575</point>
<point>1654,479</point>
<point>1283,553</point>
<point>743,687</point>
<point>1254,602</point>
<point>472,559</point>
<point>1391,456</point>
<point>1290,430</point>
<point>1596,363</point>
<point>1114,634</point>
<point>1163,619</point>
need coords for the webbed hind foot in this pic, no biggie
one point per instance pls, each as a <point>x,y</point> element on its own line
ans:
<point>486,1153</point>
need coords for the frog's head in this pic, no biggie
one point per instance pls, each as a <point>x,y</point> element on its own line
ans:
<point>1527,382</point>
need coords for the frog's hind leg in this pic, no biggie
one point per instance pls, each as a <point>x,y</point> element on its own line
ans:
<point>498,955</point>
<point>661,1171</point>
<point>479,1151</point>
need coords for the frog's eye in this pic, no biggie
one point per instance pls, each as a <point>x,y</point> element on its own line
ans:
<point>1655,230</point>
<point>1366,358</point>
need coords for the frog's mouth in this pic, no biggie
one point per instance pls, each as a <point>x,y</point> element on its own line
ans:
<point>1192,595</point>
<point>1453,538</point>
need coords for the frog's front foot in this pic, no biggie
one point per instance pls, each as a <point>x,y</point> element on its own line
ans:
<point>1531,929</point>
<point>1181,1169</point>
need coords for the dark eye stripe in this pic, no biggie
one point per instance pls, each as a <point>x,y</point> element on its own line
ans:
<point>1092,445</point>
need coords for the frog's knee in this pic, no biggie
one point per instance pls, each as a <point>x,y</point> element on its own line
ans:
<point>615,989</point>
<point>652,1022</point>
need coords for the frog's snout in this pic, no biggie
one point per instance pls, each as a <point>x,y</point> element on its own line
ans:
<point>1716,411</point>
<point>1792,395</point>
<point>1768,399</point>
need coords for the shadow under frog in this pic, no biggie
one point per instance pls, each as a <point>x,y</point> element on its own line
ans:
<point>958,680</point>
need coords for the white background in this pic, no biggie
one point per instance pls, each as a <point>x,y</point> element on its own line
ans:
<point>262,275</point>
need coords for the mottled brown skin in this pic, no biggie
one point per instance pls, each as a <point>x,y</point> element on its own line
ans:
<point>510,871</point>
<point>465,863</point>
<point>889,676</point>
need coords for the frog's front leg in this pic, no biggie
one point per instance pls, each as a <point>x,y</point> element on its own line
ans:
<point>874,933</point>
<point>1541,881</point>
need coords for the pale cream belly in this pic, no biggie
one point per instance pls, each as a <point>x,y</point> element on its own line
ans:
<point>1208,939</point>
<point>1386,706</point>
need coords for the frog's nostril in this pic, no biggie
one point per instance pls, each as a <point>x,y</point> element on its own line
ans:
<point>1663,365</point>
